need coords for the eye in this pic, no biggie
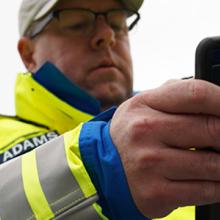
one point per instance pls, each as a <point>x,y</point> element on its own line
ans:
<point>119,27</point>
<point>79,26</point>
<point>116,27</point>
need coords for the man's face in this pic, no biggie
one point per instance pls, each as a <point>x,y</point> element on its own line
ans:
<point>100,62</point>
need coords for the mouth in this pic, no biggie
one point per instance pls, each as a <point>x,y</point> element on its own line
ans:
<point>105,72</point>
<point>104,66</point>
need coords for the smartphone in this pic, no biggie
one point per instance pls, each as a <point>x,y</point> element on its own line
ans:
<point>207,67</point>
<point>207,60</point>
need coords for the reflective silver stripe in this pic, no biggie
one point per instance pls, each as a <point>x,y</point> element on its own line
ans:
<point>13,203</point>
<point>83,211</point>
<point>59,185</point>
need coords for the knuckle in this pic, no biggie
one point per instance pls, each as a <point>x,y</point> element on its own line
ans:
<point>149,159</point>
<point>212,128</point>
<point>213,163</point>
<point>209,191</point>
<point>198,91</point>
<point>135,101</point>
<point>159,193</point>
<point>144,128</point>
<point>147,198</point>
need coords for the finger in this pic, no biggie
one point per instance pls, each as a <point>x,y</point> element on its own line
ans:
<point>176,80</point>
<point>179,130</point>
<point>190,131</point>
<point>171,195</point>
<point>189,165</point>
<point>185,96</point>
<point>171,81</point>
<point>193,192</point>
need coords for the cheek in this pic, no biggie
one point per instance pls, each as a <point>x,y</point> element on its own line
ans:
<point>123,54</point>
<point>71,61</point>
<point>64,54</point>
<point>45,51</point>
<point>123,50</point>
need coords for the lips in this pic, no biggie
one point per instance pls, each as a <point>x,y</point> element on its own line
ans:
<point>104,65</point>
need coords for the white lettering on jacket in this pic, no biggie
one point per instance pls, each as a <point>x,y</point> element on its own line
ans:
<point>26,146</point>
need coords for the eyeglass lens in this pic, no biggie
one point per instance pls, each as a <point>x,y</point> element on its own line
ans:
<point>80,21</point>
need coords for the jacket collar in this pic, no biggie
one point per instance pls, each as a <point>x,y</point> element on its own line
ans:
<point>33,102</point>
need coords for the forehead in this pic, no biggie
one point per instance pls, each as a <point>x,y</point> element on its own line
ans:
<point>89,4</point>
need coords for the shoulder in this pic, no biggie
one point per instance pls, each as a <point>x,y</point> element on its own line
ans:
<point>13,128</point>
<point>11,124</point>
<point>14,131</point>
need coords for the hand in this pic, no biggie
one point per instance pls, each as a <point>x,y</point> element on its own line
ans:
<point>154,132</point>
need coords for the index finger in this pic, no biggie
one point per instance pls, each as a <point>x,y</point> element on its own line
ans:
<point>185,96</point>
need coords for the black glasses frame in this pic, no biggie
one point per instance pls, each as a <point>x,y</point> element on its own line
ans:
<point>38,26</point>
<point>56,13</point>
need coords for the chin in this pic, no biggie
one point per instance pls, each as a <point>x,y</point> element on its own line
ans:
<point>110,100</point>
<point>111,94</point>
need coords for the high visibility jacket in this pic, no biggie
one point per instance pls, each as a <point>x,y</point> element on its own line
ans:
<point>51,181</point>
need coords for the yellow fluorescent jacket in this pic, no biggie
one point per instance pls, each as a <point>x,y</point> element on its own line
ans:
<point>49,182</point>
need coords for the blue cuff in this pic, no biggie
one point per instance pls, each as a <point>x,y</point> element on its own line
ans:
<point>104,166</point>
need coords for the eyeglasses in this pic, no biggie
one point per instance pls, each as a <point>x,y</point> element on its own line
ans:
<point>81,22</point>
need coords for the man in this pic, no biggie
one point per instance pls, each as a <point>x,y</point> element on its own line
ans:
<point>132,163</point>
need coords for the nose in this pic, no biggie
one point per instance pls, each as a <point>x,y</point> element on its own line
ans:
<point>103,36</point>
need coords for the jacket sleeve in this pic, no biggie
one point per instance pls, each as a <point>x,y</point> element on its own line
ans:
<point>103,164</point>
<point>78,175</point>
<point>49,182</point>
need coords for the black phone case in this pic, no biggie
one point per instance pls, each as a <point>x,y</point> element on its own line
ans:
<point>207,67</point>
<point>207,60</point>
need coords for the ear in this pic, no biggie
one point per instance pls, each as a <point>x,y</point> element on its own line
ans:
<point>26,50</point>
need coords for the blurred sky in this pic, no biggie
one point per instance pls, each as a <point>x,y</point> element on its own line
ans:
<point>163,45</point>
